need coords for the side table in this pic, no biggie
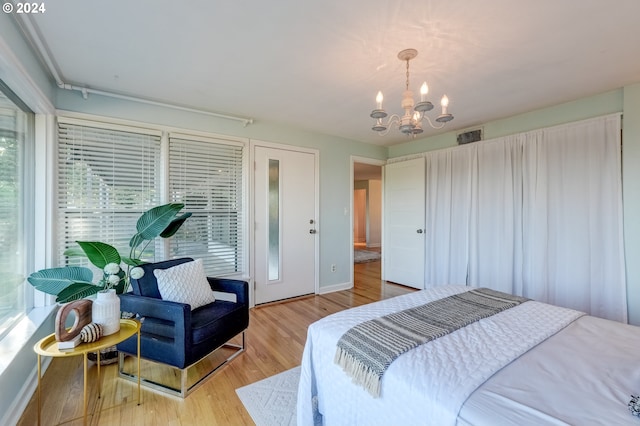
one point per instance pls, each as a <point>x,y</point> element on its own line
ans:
<point>48,346</point>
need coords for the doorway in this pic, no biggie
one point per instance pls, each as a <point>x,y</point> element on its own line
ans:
<point>285,216</point>
<point>367,212</point>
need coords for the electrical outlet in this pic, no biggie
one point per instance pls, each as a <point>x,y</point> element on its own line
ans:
<point>333,267</point>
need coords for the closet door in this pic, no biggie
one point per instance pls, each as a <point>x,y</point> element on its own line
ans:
<point>404,222</point>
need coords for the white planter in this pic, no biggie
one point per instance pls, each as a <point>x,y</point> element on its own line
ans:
<point>106,311</point>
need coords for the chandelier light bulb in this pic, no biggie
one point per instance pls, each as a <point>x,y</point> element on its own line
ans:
<point>445,103</point>
<point>424,90</point>
<point>379,99</point>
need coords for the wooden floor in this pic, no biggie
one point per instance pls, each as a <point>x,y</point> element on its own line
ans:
<point>275,340</point>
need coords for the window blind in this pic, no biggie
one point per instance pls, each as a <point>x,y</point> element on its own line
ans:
<point>207,176</point>
<point>107,177</point>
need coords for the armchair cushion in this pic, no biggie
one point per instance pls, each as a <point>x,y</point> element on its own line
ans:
<point>207,322</point>
<point>185,283</point>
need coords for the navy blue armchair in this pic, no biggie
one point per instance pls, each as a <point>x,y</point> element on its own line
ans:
<point>173,334</point>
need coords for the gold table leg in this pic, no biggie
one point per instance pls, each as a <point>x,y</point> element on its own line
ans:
<point>99,381</point>
<point>138,366</point>
<point>84,395</point>
<point>39,374</point>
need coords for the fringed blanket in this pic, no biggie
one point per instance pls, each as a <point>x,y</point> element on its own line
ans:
<point>366,350</point>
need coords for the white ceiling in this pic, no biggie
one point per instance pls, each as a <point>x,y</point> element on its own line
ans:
<point>318,65</point>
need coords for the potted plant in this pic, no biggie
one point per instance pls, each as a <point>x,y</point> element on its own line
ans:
<point>76,282</point>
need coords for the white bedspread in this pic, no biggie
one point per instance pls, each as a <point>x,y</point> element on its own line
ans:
<point>584,375</point>
<point>429,384</point>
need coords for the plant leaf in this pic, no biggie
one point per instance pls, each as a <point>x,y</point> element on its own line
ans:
<point>100,254</point>
<point>133,262</point>
<point>77,290</point>
<point>74,252</point>
<point>154,221</point>
<point>135,241</point>
<point>55,280</point>
<point>72,273</point>
<point>175,224</point>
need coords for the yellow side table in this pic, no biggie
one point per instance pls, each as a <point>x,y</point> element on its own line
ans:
<point>48,346</point>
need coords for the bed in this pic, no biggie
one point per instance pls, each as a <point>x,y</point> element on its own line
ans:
<point>532,364</point>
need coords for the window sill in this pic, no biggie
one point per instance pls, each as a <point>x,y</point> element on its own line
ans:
<point>22,333</point>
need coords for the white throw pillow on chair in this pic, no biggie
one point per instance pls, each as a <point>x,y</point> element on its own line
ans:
<point>185,283</point>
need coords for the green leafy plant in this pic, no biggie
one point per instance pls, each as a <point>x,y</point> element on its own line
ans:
<point>75,282</point>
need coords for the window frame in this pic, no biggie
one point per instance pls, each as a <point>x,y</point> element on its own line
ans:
<point>25,124</point>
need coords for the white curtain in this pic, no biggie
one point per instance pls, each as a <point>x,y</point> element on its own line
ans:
<point>495,231</point>
<point>449,177</point>
<point>573,234</point>
<point>537,214</point>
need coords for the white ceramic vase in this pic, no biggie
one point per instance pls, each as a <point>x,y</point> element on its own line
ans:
<point>106,311</point>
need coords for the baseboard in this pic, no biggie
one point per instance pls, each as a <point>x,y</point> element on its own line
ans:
<point>335,287</point>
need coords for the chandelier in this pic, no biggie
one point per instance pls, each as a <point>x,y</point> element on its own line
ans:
<point>414,113</point>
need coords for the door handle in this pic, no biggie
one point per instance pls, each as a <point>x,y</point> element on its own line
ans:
<point>312,231</point>
<point>419,231</point>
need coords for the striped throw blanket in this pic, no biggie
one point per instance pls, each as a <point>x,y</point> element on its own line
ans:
<point>366,350</point>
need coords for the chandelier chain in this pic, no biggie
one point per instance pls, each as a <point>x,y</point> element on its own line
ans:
<point>407,85</point>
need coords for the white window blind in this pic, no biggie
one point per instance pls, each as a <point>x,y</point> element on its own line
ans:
<point>107,176</point>
<point>207,176</point>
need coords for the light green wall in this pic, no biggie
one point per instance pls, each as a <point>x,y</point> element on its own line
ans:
<point>625,100</point>
<point>335,164</point>
<point>593,106</point>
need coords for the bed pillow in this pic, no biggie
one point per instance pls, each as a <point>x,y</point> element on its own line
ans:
<point>185,283</point>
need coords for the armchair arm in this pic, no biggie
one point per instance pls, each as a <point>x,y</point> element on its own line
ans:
<point>237,287</point>
<point>164,335</point>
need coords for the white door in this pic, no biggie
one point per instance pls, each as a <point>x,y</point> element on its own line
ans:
<point>404,222</point>
<point>285,223</point>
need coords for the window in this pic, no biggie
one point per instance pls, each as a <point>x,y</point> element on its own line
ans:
<point>206,175</point>
<point>16,223</point>
<point>107,176</point>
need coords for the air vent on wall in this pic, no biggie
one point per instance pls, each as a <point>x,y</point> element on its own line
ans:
<point>469,136</point>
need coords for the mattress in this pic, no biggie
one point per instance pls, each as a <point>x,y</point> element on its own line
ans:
<point>494,371</point>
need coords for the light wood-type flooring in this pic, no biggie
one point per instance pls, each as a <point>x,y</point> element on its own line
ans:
<point>275,340</point>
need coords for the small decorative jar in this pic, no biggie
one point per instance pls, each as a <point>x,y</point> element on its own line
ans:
<point>106,311</point>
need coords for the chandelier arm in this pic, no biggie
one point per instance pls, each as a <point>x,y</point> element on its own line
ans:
<point>426,117</point>
<point>393,120</point>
